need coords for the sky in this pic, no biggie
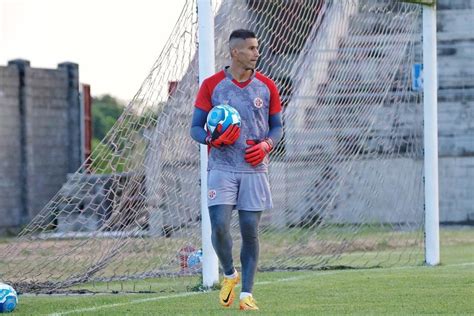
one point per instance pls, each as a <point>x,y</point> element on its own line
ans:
<point>115,42</point>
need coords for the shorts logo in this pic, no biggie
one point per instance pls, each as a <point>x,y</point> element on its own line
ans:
<point>211,194</point>
<point>258,102</point>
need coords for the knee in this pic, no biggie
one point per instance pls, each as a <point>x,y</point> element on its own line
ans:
<point>249,234</point>
<point>249,229</point>
<point>219,232</point>
<point>250,243</point>
<point>250,238</point>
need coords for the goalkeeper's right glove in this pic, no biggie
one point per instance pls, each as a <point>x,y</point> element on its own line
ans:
<point>229,137</point>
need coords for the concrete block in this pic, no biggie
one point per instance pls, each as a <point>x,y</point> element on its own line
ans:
<point>454,4</point>
<point>455,20</point>
<point>77,222</point>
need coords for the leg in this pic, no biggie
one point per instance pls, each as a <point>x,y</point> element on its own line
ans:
<point>250,247</point>
<point>222,241</point>
<point>220,216</point>
<point>222,198</point>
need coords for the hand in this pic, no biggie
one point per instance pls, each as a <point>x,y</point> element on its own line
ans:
<point>256,152</point>
<point>229,137</point>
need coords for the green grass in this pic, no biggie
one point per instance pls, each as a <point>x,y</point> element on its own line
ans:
<point>445,289</point>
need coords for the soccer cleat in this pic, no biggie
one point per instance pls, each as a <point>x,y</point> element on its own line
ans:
<point>227,293</point>
<point>248,303</point>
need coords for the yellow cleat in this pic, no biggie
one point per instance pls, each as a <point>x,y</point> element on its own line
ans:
<point>227,293</point>
<point>248,303</point>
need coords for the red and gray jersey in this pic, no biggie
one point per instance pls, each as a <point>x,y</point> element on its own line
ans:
<point>255,100</point>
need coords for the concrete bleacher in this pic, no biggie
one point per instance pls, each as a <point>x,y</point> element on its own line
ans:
<point>349,79</point>
<point>456,109</point>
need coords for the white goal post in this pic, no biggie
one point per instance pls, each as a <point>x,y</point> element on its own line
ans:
<point>210,265</point>
<point>430,103</point>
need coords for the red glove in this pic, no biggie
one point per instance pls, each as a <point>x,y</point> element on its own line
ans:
<point>256,152</point>
<point>229,137</point>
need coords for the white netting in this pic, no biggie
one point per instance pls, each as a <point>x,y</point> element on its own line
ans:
<point>346,179</point>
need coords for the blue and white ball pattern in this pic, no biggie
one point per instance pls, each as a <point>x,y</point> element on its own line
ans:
<point>225,115</point>
<point>8,298</point>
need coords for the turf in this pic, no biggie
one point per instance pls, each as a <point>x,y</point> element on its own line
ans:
<point>446,289</point>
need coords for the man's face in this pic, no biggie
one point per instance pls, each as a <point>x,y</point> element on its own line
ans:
<point>245,53</point>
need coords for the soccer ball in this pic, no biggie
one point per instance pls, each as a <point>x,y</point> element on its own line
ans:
<point>224,115</point>
<point>194,260</point>
<point>8,298</point>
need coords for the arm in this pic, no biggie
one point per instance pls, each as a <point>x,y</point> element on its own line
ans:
<point>276,128</point>
<point>258,149</point>
<point>198,133</point>
<point>275,124</point>
<point>203,105</point>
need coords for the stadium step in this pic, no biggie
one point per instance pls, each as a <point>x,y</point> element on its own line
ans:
<point>361,41</point>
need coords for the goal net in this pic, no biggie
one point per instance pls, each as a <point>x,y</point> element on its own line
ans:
<point>346,178</point>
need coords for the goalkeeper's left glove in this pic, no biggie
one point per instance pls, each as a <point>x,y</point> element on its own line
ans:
<point>256,152</point>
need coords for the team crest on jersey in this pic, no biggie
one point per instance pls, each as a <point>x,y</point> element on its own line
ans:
<point>211,194</point>
<point>258,102</point>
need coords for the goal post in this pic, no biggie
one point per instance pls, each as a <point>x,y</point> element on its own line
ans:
<point>210,265</point>
<point>430,102</point>
<point>346,179</point>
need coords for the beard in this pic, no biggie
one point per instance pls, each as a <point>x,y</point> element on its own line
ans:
<point>250,67</point>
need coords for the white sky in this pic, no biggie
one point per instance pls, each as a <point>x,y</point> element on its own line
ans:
<point>115,42</point>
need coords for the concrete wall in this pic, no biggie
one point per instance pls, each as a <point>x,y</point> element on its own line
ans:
<point>456,187</point>
<point>10,151</point>
<point>39,137</point>
<point>456,135</point>
<point>456,110</point>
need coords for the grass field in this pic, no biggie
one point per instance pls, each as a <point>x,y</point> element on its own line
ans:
<point>445,289</point>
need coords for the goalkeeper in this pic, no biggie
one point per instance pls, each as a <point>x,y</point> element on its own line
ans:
<point>238,159</point>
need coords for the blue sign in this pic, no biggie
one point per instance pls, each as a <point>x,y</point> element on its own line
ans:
<point>417,77</point>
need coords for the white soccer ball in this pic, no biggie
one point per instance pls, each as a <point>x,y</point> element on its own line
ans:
<point>224,115</point>
<point>8,298</point>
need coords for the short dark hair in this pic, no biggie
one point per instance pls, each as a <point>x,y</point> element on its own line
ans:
<point>242,34</point>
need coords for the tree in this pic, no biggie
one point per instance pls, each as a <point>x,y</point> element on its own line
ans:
<point>105,112</point>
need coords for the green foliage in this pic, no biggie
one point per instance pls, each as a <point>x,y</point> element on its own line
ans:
<point>103,159</point>
<point>105,112</point>
<point>199,286</point>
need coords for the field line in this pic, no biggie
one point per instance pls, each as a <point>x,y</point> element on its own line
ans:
<point>137,301</point>
<point>295,278</point>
